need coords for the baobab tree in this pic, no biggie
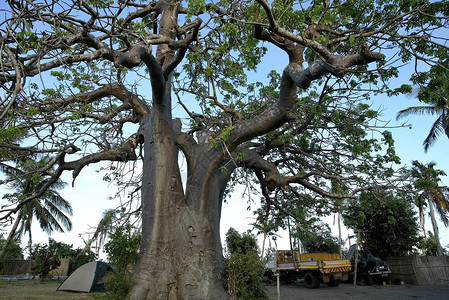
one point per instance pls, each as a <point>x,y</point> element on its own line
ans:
<point>94,81</point>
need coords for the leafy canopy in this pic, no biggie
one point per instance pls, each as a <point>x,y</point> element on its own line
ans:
<point>77,75</point>
<point>387,222</point>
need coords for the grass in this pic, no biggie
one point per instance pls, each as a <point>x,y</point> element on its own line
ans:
<point>33,289</point>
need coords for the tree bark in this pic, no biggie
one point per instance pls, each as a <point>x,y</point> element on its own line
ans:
<point>435,228</point>
<point>180,255</point>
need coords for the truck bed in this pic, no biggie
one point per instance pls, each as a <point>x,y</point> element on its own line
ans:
<point>327,266</point>
<point>314,268</point>
<point>326,262</point>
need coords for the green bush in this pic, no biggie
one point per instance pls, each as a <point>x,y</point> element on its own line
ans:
<point>13,249</point>
<point>243,272</point>
<point>78,256</point>
<point>45,261</point>
<point>123,248</point>
<point>117,287</point>
<point>243,277</point>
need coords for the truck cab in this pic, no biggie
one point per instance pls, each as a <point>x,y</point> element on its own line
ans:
<point>370,269</point>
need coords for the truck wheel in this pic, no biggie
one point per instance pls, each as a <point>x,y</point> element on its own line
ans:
<point>311,280</point>
<point>270,276</point>
<point>333,283</point>
<point>364,278</point>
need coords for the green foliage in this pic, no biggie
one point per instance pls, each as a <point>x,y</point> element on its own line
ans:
<point>100,3</point>
<point>243,273</point>
<point>117,287</point>
<point>122,248</point>
<point>428,245</point>
<point>387,222</point>
<point>50,209</point>
<point>196,7</point>
<point>44,261</point>
<point>243,276</point>
<point>13,250</point>
<point>240,243</point>
<point>28,40</point>
<point>426,179</point>
<point>78,256</point>
<point>62,250</point>
<point>11,134</point>
<point>433,90</point>
<point>316,236</point>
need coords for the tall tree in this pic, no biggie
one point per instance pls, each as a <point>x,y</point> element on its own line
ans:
<point>51,210</point>
<point>433,90</point>
<point>94,81</point>
<point>387,222</point>
<point>427,180</point>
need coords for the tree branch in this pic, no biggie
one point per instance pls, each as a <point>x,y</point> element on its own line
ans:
<point>274,179</point>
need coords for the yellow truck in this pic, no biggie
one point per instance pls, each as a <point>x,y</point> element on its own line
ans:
<point>314,268</point>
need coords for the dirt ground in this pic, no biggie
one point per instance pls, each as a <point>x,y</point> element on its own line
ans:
<point>34,290</point>
<point>349,291</point>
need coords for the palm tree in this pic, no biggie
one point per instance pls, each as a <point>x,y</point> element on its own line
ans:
<point>267,228</point>
<point>103,228</point>
<point>434,92</point>
<point>426,179</point>
<point>50,210</point>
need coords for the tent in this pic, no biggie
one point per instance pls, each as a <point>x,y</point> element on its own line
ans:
<point>88,278</point>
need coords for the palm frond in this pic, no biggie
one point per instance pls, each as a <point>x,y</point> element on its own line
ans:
<point>44,218</point>
<point>10,171</point>
<point>20,230</point>
<point>445,122</point>
<point>436,129</point>
<point>441,203</point>
<point>58,201</point>
<point>58,185</point>
<point>421,203</point>
<point>57,214</point>
<point>51,209</point>
<point>418,110</point>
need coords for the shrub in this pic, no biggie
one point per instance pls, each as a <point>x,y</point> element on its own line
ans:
<point>123,248</point>
<point>78,256</point>
<point>243,277</point>
<point>44,261</point>
<point>243,272</point>
<point>117,287</point>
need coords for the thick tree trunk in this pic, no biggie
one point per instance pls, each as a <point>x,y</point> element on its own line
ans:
<point>180,255</point>
<point>181,260</point>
